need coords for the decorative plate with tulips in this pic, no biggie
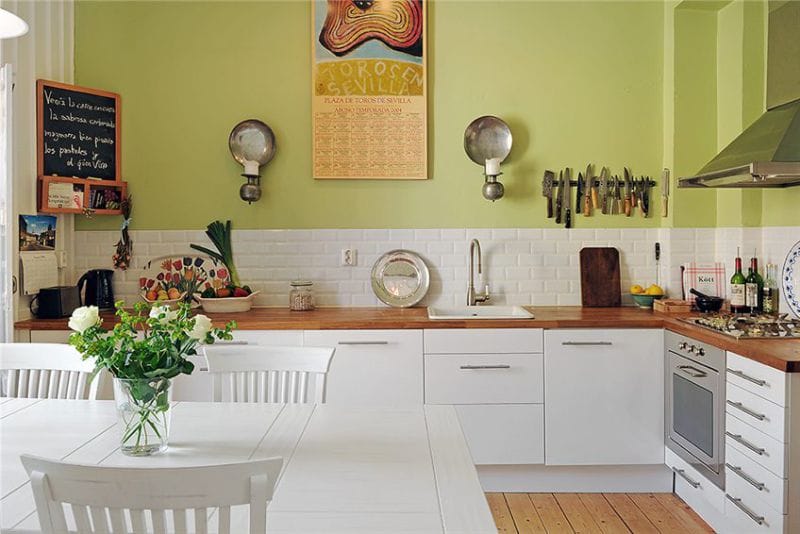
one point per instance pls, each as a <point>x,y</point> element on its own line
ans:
<point>173,279</point>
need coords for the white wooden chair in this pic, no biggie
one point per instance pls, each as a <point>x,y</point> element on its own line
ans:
<point>46,371</point>
<point>268,374</point>
<point>122,499</point>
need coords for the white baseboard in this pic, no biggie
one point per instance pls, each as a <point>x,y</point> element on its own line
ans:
<point>575,479</point>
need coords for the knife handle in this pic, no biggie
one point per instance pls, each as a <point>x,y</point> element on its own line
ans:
<point>587,207</point>
<point>568,219</point>
<point>634,199</point>
<point>595,198</point>
<point>558,211</point>
<point>549,207</point>
<point>628,206</point>
<point>664,206</point>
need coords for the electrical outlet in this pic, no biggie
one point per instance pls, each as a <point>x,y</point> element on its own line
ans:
<point>349,257</point>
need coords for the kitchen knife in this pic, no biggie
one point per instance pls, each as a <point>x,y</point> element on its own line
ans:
<point>595,196</point>
<point>567,198</point>
<point>664,192</point>
<point>615,196</point>
<point>635,195</point>
<point>547,191</point>
<point>587,190</point>
<point>579,194</point>
<point>644,200</point>
<point>559,196</point>
<point>628,193</point>
<point>604,190</point>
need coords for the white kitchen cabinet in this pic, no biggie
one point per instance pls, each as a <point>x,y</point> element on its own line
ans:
<point>197,386</point>
<point>604,397</point>
<point>500,434</point>
<point>50,336</point>
<point>372,367</point>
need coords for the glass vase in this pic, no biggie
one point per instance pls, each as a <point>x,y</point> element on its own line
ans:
<point>143,408</point>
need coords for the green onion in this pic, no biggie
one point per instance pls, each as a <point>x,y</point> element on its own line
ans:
<point>220,235</point>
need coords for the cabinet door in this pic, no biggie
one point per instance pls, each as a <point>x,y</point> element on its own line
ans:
<point>604,397</point>
<point>197,386</point>
<point>50,336</point>
<point>499,434</point>
<point>372,367</point>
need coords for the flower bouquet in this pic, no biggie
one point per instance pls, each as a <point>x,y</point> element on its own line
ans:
<point>143,353</point>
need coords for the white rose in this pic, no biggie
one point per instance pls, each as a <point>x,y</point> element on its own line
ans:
<point>156,312</point>
<point>202,325</point>
<point>84,317</point>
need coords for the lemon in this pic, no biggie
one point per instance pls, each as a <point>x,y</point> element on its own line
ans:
<point>636,289</point>
<point>654,290</point>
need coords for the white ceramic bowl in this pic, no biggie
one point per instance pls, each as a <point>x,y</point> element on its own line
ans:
<point>227,304</point>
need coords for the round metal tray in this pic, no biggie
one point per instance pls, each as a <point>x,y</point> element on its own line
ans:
<point>400,278</point>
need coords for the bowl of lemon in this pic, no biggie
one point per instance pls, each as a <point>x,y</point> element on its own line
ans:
<point>644,298</point>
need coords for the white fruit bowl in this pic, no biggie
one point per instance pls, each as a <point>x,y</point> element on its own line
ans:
<point>227,304</point>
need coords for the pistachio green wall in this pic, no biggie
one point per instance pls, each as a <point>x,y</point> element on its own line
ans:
<point>577,82</point>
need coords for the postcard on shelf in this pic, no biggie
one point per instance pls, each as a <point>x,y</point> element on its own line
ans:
<point>37,232</point>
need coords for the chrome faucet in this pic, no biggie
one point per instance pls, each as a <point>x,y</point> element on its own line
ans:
<point>474,298</point>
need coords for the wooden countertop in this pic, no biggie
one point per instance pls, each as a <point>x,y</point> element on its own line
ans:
<point>782,354</point>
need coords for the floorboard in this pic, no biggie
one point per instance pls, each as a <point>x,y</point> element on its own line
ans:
<point>594,513</point>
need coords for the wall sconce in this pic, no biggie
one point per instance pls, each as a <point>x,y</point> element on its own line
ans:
<point>252,144</point>
<point>487,142</point>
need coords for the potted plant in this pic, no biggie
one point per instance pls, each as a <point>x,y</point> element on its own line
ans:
<point>143,353</point>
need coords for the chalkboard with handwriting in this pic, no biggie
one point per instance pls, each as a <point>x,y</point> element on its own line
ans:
<point>78,131</point>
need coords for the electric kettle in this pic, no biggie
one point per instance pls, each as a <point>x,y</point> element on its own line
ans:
<point>98,289</point>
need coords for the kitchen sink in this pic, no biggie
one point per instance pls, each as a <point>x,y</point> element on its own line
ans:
<point>479,312</point>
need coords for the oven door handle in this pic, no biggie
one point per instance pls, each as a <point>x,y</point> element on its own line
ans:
<point>742,408</point>
<point>738,438</point>
<point>687,369</point>
<point>681,473</point>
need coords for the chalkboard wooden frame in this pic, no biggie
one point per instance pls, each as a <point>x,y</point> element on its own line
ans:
<point>40,87</point>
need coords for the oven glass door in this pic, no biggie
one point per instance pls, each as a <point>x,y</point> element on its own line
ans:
<point>694,396</point>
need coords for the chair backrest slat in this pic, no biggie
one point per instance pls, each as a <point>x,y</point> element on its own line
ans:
<point>98,497</point>
<point>256,373</point>
<point>47,370</point>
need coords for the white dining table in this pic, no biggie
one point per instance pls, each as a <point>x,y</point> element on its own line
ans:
<point>346,469</point>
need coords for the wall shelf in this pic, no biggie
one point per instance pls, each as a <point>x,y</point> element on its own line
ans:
<point>54,195</point>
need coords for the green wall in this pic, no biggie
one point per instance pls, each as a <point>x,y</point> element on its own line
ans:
<point>642,84</point>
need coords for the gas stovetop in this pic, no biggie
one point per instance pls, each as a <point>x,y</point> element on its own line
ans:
<point>749,326</point>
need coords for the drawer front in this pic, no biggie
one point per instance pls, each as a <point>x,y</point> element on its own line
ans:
<point>288,338</point>
<point>483,340</point>
<point>484,378</point>
<point>745,515</point>
<point>50,336</point>
<point>745,477</point>
<point>757,378</point>
<point>372,367</point>
<point>756,411</point>
<point>694,488</point>
<point>504,434</point>
<point>757,446</point>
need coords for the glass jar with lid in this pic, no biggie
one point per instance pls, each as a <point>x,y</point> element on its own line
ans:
<point>301,296</point>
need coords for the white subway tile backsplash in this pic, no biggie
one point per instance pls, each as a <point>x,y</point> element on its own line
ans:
<point>522,266</point>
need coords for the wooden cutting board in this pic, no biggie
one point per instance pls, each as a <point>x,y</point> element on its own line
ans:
<point>600,277</point>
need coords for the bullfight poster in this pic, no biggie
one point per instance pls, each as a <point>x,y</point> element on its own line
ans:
<point>369,90</point>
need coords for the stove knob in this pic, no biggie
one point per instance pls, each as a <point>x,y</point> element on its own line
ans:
<point>700,351</point>
<point>682,345</point>
<point>692,349</point>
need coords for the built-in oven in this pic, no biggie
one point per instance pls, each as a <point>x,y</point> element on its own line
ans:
<point>695,407</point>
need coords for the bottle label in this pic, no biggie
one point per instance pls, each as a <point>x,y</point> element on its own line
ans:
<point>751,295</point>
<point>737,295</point>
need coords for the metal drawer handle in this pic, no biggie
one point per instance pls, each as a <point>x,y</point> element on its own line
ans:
<point>748,411</point>
<point>738,438</point>
<point>749,378</point>
<point>586,343</point>
<point>680,472</point>
<point>227,343</point>
<point>482,367</point>
<point>696,374</point>
<point>747,478</point>
<point>363,343</point>
<point>738,502</point>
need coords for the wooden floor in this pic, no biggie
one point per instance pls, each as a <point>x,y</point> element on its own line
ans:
<point>604,513</point>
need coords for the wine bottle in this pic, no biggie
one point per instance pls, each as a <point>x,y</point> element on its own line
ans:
<point>770,294</point>
<point>738,281</point>
<point>754,286</point>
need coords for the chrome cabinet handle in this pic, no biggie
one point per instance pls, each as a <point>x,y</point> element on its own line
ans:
<point>747,478</point>
<point>227,343</point>
<point>738,438</point>
<point>586,343</point>
<point>749,378</point>
<point>752,515</point>
<point>363,343</point>
<point>696,374</point>
<point>741,407</point>
<point>680,472</point>
<point>483,367</point>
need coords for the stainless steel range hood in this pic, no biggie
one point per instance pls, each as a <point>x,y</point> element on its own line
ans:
<point>766,154</point>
